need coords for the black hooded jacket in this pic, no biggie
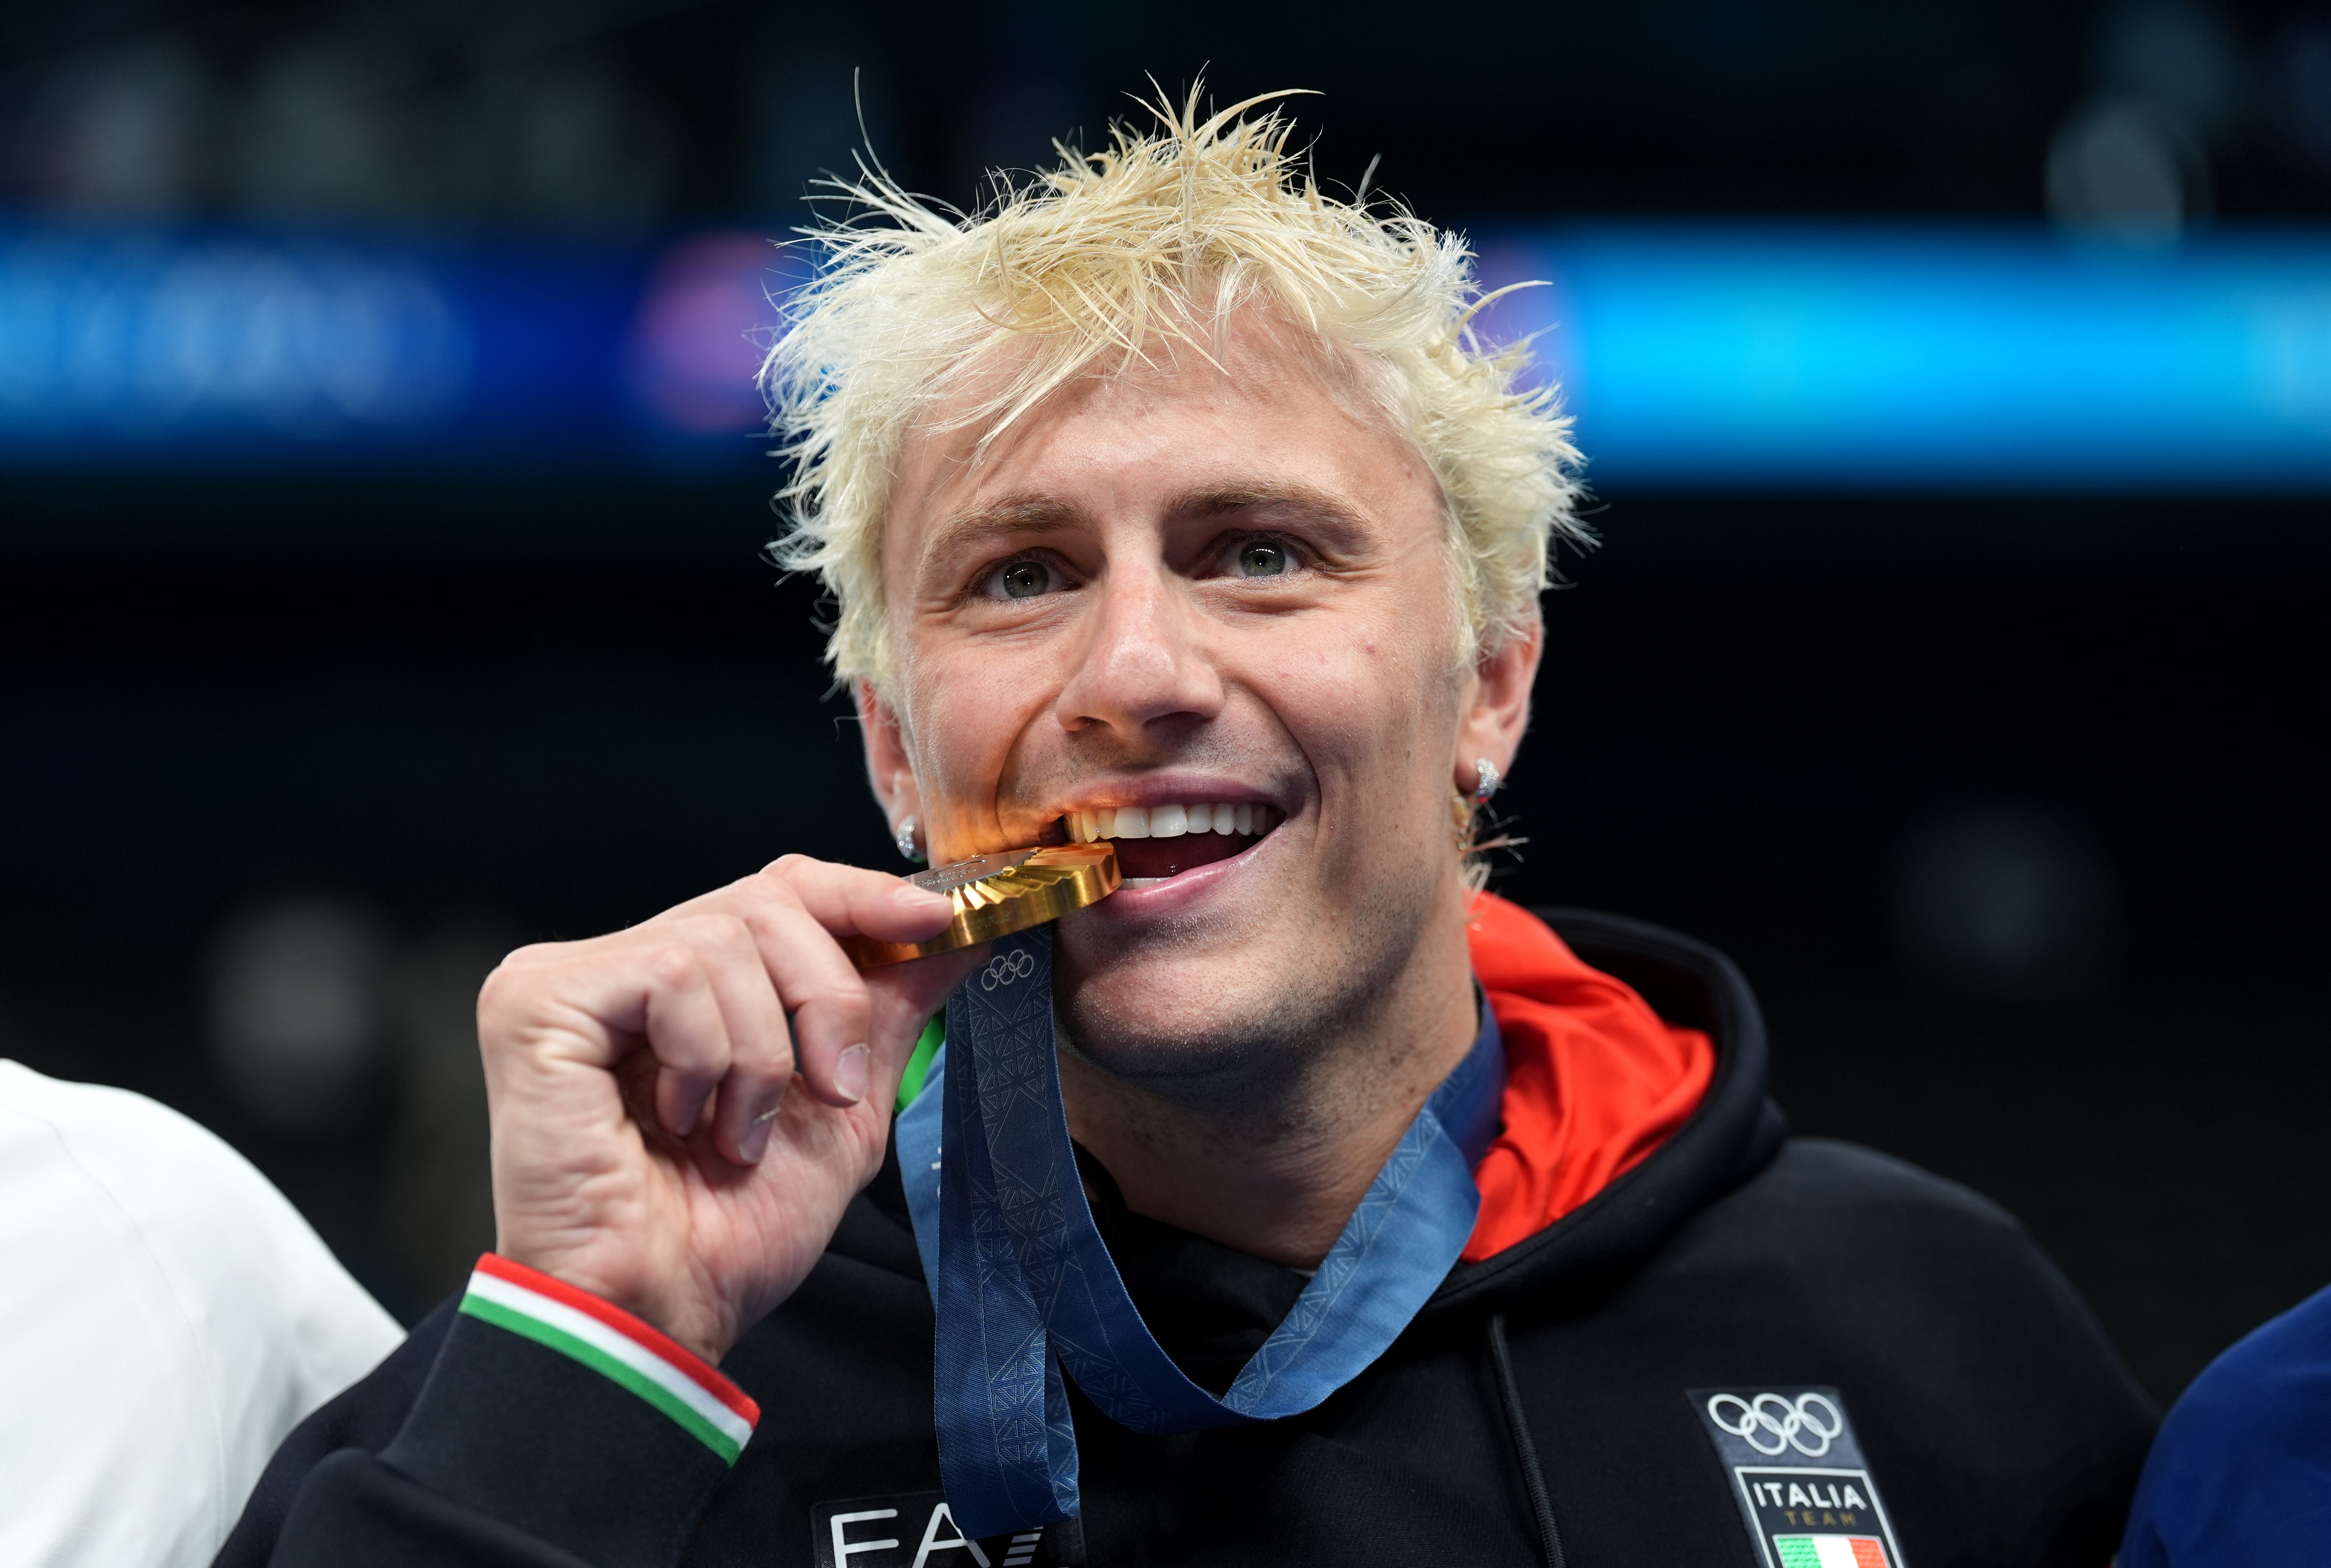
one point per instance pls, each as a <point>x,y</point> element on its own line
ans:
<point>1559,1402</point>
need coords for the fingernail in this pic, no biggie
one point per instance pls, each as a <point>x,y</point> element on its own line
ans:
<point>756,1141</point>
<point>855,1073</point>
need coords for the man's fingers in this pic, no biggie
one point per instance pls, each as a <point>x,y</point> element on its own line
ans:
<point>850,899</point>
<point>760,1045</point>
<point>739,990</point>
<point>680,1014</point>
<point>824,995</point>
<point>797,910</point>
<point>848,1046</point>
<point>694,989</point>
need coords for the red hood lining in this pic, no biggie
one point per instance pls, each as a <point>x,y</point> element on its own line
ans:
<point>1594,1080</point>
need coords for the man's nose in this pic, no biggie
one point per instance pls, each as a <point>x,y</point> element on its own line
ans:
<point>1145,667</point>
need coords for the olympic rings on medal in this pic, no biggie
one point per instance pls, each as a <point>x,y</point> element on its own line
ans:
<point>1011,966</point>
<point>1771,1421</point>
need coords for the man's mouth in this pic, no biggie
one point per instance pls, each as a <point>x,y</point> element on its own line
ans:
<point>1158,842</point>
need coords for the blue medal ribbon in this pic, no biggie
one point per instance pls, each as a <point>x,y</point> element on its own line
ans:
<point>1024,1288</point>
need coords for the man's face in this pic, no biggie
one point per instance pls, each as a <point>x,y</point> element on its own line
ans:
<point>1178,587</point>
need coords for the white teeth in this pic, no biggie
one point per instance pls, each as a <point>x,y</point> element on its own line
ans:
<point>1169,820</point>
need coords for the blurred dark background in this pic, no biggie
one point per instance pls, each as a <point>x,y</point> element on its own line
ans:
<point>2002,796</point>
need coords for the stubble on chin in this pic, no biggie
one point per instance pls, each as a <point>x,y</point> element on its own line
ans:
<point>1242,1028</point>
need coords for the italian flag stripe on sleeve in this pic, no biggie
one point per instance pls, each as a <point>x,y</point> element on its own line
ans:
<point>618,1347</point>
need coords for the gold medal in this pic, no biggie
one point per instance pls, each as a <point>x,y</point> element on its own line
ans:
<point>996,895</point>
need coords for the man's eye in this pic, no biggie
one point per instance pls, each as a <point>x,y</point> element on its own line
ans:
<point>1261,558</point>
<point>1022,580</point>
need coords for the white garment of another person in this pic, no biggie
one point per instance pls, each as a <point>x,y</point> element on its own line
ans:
<point>165,1318</point>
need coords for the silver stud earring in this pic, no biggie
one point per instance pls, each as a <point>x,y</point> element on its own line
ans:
<point>1487,780</point>
<point>906,839</point>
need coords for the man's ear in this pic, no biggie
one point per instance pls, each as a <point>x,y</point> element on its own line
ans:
<point>888,768</point>
<point>1497,705</point>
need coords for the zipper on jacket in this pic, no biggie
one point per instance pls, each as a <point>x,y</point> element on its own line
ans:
<point>1509,1394</point>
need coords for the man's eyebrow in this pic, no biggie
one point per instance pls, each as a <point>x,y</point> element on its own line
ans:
<point>1041,514</point>
<point>1301,497</point>
<point>1011,515</point>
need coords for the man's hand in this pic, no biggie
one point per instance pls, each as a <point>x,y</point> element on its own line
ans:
<point>657,1139</point>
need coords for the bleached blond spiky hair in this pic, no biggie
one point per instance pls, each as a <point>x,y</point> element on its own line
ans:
<point>1091,265</point>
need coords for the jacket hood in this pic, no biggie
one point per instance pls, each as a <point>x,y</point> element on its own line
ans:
<point>1734,1131</point>
<point>1593,1081</point>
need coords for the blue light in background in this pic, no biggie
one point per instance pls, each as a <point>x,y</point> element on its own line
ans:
<point>1696,356</point>
<point>126,338</point>
<point>1769,358</point>
<point>124,349</point>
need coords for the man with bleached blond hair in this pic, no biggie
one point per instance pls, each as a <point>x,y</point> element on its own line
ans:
<point>1299,1202</point>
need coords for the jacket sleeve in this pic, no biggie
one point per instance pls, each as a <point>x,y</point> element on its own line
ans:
<point>528,1424</point>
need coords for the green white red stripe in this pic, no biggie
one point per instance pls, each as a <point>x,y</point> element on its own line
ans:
<point>1832,1551</point>
<point>618,1347</point>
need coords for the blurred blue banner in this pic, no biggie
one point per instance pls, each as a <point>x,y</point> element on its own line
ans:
<point>1924,358</point>
<point>1696,356</point>
<point>122,348</point>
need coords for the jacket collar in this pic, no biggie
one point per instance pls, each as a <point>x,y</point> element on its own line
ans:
<point>1733,1133</point>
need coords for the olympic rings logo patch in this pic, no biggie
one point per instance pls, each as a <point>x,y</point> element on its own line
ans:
<point>1012,967</point>
<point>1773,1422</point>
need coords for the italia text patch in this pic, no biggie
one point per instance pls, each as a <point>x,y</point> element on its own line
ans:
<point>1797,1472</point>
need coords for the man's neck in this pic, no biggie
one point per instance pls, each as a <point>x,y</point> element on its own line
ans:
<point>1278,1171</point>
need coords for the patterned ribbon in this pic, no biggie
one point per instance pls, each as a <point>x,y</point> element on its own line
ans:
<point>1024,1288</point>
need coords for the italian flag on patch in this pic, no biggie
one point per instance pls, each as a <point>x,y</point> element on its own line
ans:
<point>618,1347</point>
<point>1832,1551</point>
